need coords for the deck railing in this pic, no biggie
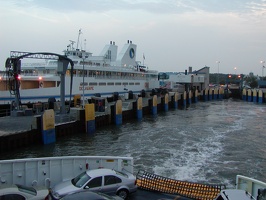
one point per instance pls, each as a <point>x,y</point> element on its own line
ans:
<point>49,171</point>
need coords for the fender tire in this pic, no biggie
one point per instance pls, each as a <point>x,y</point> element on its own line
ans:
<point>123,193</point>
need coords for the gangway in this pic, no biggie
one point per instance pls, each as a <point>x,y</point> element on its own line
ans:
<point>192,190</point>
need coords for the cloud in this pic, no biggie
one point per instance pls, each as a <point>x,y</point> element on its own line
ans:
<point>171,33</point>
<point>255,8</point>
<point>158,6</point>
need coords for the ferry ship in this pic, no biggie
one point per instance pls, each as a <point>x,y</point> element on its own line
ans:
<point>104,75</point>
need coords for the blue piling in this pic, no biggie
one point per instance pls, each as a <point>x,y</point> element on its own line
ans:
<point>48,127</point>
<point>139,108</point>
<point>90,118</point>
<point>260,99</point>
<point>154,105</point>
<point>118,112</point>
<point>166,97</point>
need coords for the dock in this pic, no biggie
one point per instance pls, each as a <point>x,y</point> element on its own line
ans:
<point>25,130</point>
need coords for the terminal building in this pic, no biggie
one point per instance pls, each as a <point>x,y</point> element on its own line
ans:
<point>185,81</point>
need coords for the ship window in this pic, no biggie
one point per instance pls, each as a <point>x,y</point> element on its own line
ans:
<point>137,83</point>
<point>125,83</point>
<point>117,83</point>
<point>110,83</point>
<point>131,83</point>
<point>102,84</point>
<point>92,83</point>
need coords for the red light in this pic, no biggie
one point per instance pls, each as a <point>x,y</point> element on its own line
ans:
<point>239,76</point>
<point>229,76</point>
<point>17,77</point>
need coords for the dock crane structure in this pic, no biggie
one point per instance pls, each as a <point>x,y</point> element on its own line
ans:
<point>13,68</point>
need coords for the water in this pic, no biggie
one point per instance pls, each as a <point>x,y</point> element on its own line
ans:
<point>209,142</point>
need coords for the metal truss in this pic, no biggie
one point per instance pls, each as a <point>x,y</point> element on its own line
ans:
<point>39,55</point>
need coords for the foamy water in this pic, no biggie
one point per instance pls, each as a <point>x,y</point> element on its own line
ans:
<point>209,142</point>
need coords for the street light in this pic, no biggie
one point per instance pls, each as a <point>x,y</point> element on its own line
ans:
<point>235,70</point>
<point>218,62</point>
<point>83,74</point>
<point>262,67</point>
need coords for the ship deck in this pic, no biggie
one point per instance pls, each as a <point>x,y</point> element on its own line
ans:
<point>144,195</point>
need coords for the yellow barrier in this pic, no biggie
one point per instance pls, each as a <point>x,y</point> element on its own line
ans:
<point>139,103</point>
<point>154,100</point>
<point>77,100</point>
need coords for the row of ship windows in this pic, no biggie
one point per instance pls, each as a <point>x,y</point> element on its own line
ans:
<point>111,83</point>
<point>104,73</point>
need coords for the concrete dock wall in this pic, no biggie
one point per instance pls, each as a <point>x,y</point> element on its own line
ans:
<point>77,125</point>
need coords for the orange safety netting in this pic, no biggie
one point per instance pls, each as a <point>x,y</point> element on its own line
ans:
<point>153,182</point>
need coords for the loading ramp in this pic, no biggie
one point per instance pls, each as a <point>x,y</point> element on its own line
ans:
<point>152,182</point>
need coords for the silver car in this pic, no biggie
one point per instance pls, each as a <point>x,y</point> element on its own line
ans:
<point>106,181</point>
<point>21,192</point>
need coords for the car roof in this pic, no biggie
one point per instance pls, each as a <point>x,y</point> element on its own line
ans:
<point>8,187</point>
<point>100,172</point>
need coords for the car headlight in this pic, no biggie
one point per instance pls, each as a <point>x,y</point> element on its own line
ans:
<point>56,195</point>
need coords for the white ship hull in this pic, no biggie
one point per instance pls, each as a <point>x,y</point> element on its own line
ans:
<point>104,74</point>
<point>104,87</point>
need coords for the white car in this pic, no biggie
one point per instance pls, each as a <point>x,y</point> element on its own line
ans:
<point>21,192</point>
<point>106,181</point>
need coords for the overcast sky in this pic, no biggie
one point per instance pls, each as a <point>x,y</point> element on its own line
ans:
<point>172,34</point>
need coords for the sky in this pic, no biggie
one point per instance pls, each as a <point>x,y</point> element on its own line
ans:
<point>229,36</point>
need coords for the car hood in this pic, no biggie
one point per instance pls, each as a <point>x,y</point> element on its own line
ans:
<point>64,188</point>
<point>42,192</point>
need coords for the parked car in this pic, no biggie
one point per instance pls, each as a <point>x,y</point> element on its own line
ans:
<point>107,181</point>
<point>21,192</point>
<point>88,195</point>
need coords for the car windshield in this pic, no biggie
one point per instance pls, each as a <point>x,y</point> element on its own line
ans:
<point>80,180</point>
<point>26,189</point>
<point>121,173</point>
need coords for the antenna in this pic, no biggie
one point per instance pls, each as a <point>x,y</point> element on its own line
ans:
<point>78,37</point>
<point>85,44</point>
<point>72,44</point>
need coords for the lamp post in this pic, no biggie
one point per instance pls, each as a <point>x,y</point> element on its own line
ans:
<point>218,63</point>
<point>235,70</point>
<point>83,74</point>
<point>262,67</point>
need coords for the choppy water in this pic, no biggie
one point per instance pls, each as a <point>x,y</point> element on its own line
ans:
<point>208,142</point>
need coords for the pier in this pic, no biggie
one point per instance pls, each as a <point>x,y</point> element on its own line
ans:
<point>27,128</point>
